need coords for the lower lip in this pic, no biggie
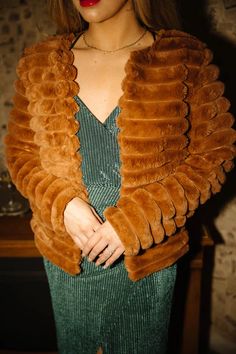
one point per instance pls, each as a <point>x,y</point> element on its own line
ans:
<point>88,3</point>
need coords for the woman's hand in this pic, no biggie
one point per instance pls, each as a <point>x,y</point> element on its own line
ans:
<point>104,243</point>
<point>81,220</point>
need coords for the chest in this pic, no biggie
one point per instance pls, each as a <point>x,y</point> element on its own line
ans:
<point>99,77</point>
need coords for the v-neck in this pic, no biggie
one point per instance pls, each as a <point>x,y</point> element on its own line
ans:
<point>79,100</point>
<point>155,35</point>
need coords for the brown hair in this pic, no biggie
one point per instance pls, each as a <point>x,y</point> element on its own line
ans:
<point>153,14</point>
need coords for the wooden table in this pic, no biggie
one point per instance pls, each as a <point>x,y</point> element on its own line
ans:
<point>16,237</point>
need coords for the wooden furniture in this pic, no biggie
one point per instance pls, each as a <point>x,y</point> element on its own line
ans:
<point>16,241</point>
<point>16,237</point>
<point>191,314</point>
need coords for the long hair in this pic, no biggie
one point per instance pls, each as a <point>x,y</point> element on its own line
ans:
<point>152,14</point>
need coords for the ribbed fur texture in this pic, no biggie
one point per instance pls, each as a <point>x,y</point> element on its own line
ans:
<point>176,143</point>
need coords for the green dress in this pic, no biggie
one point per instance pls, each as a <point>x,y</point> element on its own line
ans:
<point>103,307</point>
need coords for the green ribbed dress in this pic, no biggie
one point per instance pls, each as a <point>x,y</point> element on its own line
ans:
<point>103,307</point>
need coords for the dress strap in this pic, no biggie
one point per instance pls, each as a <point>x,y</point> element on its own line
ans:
<point>76,39</point>
<point>153,34</point>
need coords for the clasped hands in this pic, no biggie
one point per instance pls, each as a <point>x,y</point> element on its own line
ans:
<point>93,236</point>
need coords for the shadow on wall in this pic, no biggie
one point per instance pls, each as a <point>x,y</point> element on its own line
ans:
<point>197,21</point>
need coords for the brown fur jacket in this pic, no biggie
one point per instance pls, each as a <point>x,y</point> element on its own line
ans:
<point>176,143</point>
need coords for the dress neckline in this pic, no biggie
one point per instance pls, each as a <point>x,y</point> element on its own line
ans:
<point>79,100</point>
<point>155,35</point>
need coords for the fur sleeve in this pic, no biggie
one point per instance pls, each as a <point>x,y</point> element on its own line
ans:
<point>34,129</point>
<point>155,211</point>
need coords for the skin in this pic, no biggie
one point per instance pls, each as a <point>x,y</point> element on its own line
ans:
<point>112,25</point>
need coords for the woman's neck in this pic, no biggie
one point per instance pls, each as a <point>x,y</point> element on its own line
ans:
<point>116,32</point>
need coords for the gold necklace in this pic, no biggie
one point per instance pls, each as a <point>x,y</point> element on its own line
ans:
<point>115,50</point>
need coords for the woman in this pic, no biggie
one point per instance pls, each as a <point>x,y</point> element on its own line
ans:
<point>112,171</point>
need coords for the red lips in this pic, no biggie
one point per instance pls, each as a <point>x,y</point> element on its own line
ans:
<point>87,3</point>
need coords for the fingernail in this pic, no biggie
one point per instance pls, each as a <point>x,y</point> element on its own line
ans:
<point>105,266</point>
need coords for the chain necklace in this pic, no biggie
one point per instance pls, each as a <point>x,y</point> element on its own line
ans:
<point>115,50</point>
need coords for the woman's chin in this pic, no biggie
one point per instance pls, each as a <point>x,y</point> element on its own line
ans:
<point>99,10</point>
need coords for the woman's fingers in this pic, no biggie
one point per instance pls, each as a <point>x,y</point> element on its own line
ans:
<point>97,249</point>
<point>117,253</point>
<point>104,236</point>
<point>107,253</point>
<point>91,242</point>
